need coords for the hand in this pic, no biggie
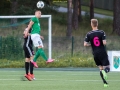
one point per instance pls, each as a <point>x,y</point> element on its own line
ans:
<point>86,44</point>
<point>42,37</point>
<point>25,34</point>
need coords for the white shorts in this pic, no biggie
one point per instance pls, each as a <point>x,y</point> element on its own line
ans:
<point>36,40</point>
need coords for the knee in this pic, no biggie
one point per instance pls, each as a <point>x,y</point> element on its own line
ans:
<point>107,69</point>
<point>27,60</point>
<point>100,67</point>
<point>39,46</point>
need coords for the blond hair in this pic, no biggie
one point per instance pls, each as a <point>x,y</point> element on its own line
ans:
<point>94,22</point>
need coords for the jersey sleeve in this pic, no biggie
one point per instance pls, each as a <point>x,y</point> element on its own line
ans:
<point>86,38</point>
<point>103,36</point>
<point>33,19</point>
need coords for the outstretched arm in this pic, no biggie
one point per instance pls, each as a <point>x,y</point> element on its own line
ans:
<point>28,28</point>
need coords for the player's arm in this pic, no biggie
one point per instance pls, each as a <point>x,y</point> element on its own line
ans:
<point>104,42</point>
<point>28,28</point>
<point>25,31</point>
<point>86,44</point>
<point>86,41</point>
<point>104,38</point>
<point>42,37</point>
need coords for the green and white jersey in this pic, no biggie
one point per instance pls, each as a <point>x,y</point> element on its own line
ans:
<point>36,26</point>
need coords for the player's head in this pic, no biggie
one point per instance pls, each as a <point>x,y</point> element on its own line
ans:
<point>94,22</point>
<point>38,13</point>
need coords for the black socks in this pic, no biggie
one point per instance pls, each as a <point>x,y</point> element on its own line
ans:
<point>31,68</point>
<point>27,67</point>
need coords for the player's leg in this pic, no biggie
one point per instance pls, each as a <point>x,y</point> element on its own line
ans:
<point>102,76</point>
<point>98,63</point>
<point>27,65</point>
<point>31,74</point>
<point>104,72</point>
<point>31,66</point>
<point>31,55</point>
<point>27,60</point>
<point>105,64</point>
<point>106,69</point>
<point>40,52</point>
<point>103,58</point>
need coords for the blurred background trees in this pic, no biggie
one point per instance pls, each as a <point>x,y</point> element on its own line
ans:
<point>27,7</point>
<point>116,20</point>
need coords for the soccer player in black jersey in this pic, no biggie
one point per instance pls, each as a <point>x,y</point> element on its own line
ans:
<point>29,53</point>
<point>97,40</point>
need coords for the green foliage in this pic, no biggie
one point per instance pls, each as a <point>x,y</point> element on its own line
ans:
<point>5,63</point>
<point>24,7</point>
<point>62,19</point>
<point>10,48</point>
<point>49,10</point>
<point>105,22</point>
<point>87,16</point>
<point>59,62</point>
<point>24,10</point>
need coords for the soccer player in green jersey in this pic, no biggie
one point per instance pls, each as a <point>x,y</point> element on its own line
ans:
<point>36,38</point>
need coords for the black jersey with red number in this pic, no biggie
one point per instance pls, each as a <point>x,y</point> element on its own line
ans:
<point>96,37</point>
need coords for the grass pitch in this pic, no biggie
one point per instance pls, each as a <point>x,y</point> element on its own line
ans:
<point>49,79</point>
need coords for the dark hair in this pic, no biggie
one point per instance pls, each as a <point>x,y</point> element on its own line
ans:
<point>37,10</point>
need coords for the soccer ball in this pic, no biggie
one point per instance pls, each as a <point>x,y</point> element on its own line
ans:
<point>40,4</point>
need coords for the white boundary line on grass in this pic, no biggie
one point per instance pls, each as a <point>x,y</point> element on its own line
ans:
<point>57,76</point>
<point>58,80</point>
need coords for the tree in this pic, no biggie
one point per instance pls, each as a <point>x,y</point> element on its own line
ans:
<point>91,9</point>
<point>75,14</point>
<point>116,19</point>
<point>79,11</point>
<point>69,18</point>
<point>14,5</point>
<point>21,7</point>
<point>49,2</point>
<point>4,4</point>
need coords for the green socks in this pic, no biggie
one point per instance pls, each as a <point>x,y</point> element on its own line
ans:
<point>40,52</point>
<point>36,56</point>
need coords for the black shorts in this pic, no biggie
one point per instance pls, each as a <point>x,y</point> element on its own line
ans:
<point>28,52</point>
<point>27,47</point>
<point>101,59</point>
